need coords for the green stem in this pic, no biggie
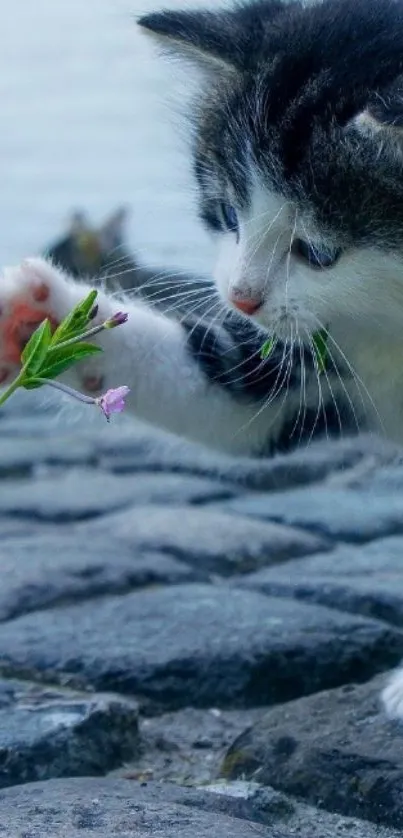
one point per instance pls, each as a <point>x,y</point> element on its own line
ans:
<point>64,388</point>
<point>77,339</point>
<point>12,388</point>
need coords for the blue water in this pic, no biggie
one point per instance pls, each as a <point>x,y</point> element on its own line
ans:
<point>86,122</point>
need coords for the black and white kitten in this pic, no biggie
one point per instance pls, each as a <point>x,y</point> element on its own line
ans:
<point>298,158</point>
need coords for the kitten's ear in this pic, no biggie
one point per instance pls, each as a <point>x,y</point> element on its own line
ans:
<point>205,38</point>
<point>112,233</point>
<point>227,39</point>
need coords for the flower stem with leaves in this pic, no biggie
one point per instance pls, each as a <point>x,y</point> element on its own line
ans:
<point>47,355</point>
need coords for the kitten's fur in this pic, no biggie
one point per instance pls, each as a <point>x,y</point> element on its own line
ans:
<point>298,157</point>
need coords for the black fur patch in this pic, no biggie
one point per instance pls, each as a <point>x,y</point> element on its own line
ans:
<point>230,355</point>
<point>325,422</point>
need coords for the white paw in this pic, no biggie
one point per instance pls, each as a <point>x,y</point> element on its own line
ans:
<point>29,293</point>
<point>392,696</point>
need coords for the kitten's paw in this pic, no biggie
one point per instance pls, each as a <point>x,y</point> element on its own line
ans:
<point>29,293</point>
<point>392,695</point>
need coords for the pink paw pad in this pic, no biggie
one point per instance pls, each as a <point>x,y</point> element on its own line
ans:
<point>93,383</point>
<point>41,292</point>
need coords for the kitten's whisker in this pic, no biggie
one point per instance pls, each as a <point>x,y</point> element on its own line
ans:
<point>303,378</point>
<point>333,397</point>
<point>288,259</point>
<point>267,278</point>
<point>344,388</point>
<point>321,403</point>
<point>186,311</point>
<point>356,377</point>
<point>272,396</point>
<point>251,373</point>
<point>298,341</point>
<point>173,294</point>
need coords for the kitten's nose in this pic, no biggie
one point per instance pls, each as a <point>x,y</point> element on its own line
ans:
<point>249,306</point>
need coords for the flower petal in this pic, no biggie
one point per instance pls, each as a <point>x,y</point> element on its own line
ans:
<point>113,401</point>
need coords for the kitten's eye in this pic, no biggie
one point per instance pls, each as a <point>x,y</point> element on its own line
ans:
<point>230,218</point>
<point>316,257</point>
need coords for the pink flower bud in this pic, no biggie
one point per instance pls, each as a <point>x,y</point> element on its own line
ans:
<point>116,320</point>
<point>113,401</point>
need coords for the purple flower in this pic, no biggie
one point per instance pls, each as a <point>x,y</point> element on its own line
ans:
<point>113,401</point>
<point>116,320</point>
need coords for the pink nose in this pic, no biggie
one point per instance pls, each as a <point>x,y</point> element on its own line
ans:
<point>249,306</point>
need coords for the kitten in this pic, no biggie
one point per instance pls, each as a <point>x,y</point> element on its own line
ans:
<point>101,254</point>
<point>87,251</point>
<point>298,158</point>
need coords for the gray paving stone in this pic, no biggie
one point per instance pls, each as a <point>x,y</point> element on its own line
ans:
<point>198,645</point>
<point>145,450</point>
<point>365,580</point>
<point>15,528</point>
<point>186,746</point>
<point>32,437</point>
<point>47,733</point>
<point>383,478</point>
<point>23,455</point>
<point>335,749</point>
<point>43,569</point>
<point>106,808</point>
<point>341,514</point>
<point>79,494</point>
<point>207,539</point>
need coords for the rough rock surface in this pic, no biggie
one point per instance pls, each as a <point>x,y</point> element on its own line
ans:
<point>335,749</point>
<point>159,605</point>
<point>199,645</point>
<point>364,580</point>
<point>47,733</point>
<point>105,808</point>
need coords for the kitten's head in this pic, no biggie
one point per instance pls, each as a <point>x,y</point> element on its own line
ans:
<point>87,251</point>
<point>298,155</point>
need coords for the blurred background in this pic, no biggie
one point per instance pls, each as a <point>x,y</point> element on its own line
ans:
<point>91,121</point>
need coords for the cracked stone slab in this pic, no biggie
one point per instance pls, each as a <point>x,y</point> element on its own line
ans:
<point>206,538</point>
<point>336,749</point>
<point>47,733</point>
<point>199,645</point>
<point>339,514</point>
<point>365,580</point>
<point>79,494</point>
<point>44,569</point>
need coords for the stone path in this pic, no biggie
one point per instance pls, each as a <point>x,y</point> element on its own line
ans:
<point>192,645</point>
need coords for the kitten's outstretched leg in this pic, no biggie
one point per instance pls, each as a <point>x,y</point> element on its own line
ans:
<point>182,377</point>
<point>392,695</point>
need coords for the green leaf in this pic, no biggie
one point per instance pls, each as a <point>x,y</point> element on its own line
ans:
<point>320,347</point>
<point>77,321</point>
<point>267,349</point>
<point>63,358</point>
<point>36,349</point>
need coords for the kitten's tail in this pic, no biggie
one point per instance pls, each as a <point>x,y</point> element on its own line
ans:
<point>392,695</point>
